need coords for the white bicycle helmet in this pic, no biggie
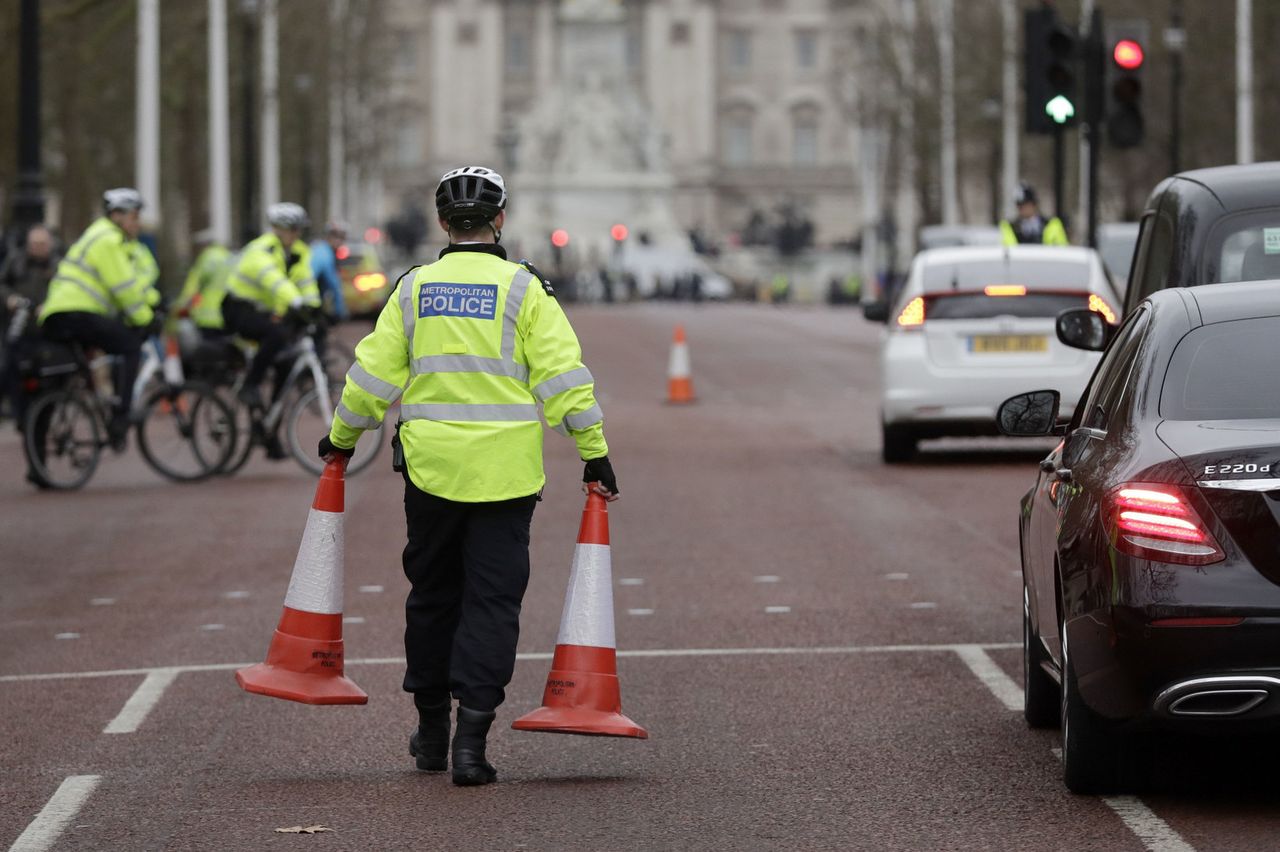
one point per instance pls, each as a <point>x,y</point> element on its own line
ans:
<point>121,198</point>
<point>471,196</point>
<point>286,214</point>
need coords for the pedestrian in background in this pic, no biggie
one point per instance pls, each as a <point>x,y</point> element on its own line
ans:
<point>24,280</point>
<point>1029,226</point>
<point>324,266</point>
<point>474,342</point>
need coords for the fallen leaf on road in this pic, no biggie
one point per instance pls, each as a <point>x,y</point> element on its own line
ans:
<point>303,829</point>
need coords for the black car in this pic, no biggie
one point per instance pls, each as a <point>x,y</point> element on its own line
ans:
<point>1208,226</point>
<point>1151,538</point>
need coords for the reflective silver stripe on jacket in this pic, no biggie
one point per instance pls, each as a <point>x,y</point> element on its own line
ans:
<point>470,413</point>
<point>79,259</point>
<point>370,383</point>
<point>357,421</point>
<point>407,314</point>
<point>584,419</point>
<point>123,285</point>
<point>504,365</point>
<point>469,364</point>
<point>563,382</point>
<point>97,296</point>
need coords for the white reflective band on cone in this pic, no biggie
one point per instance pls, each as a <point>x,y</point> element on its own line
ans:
<point>588,605</point>
<point>316,585</point>
<point>678,367</point>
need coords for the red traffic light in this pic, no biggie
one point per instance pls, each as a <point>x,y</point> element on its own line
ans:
<point>1128,54</point>
<point>559,238</point>
<point>619,232</point>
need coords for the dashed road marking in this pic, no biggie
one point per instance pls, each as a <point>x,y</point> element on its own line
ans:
<point>640,611</point>
<point>777,610</point>
<point>924,605</point>
<point>631,581</point>
<point>212,627</point>
<point>353,619</point>
<point>102,602</point>
<point>236,595</point>
<point>144,698</point>
<point>56,815</point>
<point>371,590</point>
<point>767,578</point>
<point>66,636</point>
<point>991,675</point>
<point>1155,834</point>
<point>897,575</point>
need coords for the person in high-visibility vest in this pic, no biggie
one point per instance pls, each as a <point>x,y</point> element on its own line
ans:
<point>470,345</point>
<point>101,296</point>
<point>206,284</point>
<point>262,288</point>
<point>1030,226</point>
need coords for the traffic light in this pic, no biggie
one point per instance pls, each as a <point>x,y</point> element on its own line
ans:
<point>1049,72</point>
<point>1126,56</point>
<point>619,233</point>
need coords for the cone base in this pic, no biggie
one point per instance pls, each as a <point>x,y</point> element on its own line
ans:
<point>578,720</point>
<point>680,391</point>
<point>273,681</point>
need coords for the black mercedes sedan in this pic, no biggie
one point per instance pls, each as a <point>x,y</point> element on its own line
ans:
<point>1151,538</point>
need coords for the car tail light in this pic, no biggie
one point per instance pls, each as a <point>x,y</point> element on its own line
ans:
<point>367,281</point>
<point>912,315</point>
<point>1004,290</point>
<point>1099,304</point>
<point>1156,522</point>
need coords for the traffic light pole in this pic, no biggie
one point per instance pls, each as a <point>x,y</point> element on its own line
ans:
<point>1094,57</point>
<point>28,199</point>
<point>1059,170</point>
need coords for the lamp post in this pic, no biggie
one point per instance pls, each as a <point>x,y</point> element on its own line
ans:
<point>248,122</point>
<point>28,196</point>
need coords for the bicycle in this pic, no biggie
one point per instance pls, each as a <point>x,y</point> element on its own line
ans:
<point>185,433</point>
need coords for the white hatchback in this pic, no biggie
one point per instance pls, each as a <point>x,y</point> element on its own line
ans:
<point>972,326</point>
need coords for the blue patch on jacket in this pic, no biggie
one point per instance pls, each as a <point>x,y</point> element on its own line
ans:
<point>476,301</point>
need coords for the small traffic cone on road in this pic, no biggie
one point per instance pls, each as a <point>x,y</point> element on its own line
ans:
<point>304,662</point>
<point>582,694</point>
<point>679,377</point>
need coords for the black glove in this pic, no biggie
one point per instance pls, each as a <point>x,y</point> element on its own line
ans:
<point>599,470</point>
<point>327,448</point>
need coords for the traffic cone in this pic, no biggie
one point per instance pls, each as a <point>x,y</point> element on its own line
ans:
<point>582,695</point>
<point>304,662</point>
<point>679,378</point>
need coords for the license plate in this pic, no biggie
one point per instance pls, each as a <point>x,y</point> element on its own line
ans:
<point>1009,343</point>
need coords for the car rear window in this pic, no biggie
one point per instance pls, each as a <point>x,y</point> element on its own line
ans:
<point>981,306</point>
<point>1224,371</point>
<point>1032,274</point>
<point>1249,248</point>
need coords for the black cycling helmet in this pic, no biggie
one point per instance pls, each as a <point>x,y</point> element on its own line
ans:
<point>1025,194</point>
<point>470,197</point>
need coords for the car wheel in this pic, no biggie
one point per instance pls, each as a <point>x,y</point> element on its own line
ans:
<point>1041,695</point>
<point>897,444</point>
<point>1091,752</point>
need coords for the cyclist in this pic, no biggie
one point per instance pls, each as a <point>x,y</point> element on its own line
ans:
<point>101,295</point>
<point>324,263</point>
<point>206,284</point>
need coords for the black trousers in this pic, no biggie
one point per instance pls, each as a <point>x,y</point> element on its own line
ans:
<point>112,336</point>
<point>468,564</point>
<point>244,318</point>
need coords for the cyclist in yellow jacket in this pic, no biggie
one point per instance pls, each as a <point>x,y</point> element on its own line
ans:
<point>206,284</point>
<point>101,296</point>
<point>470,345</point>
<point>263,287</point>
<point>1030,226</point>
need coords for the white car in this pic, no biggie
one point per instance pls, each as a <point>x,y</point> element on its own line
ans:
<point>973,326</point>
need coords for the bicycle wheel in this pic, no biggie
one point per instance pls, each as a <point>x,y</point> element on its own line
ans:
<point>63,441</point>
<point>186,433</point>
<point>338,358</point>
<point>244,433</point>
<point>308,422</point>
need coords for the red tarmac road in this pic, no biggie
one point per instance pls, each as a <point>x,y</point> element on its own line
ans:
<point>821,647</point>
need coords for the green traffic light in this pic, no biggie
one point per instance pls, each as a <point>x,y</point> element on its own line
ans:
<point>1060,109</point>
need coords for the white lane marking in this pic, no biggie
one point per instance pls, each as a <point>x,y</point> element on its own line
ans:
<point>144,698</point>
<point>102,602</point>
<point>544,655</point>
<point>236,595</point>
<point>991,675</point>
<point>372,590</point>
<point>353,619</point>
<point>631,581</point>
<point>897,575</point>
<point>924,605</point>
<point>212,627</point>
<point>1155,834</point>
<point>639,612</point>
<point>766,578</point>
<point>66,636</point>
<point>777,610</point>
<point>57,813</point>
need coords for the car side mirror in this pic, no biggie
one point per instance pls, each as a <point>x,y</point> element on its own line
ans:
<point>1029,415</point>
<point>877,311</point>
<point>1081,328</point>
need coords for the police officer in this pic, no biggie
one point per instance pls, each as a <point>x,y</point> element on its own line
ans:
<point>101,296</point>
<point>475,342</point>
<point>1030,226</point>
<point>205,287</point>
<point>268,281</point>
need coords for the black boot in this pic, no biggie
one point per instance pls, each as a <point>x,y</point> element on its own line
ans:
<point>469,766</point>
<point>429,745</point>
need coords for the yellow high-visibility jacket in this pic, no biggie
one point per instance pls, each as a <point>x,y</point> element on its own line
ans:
<point>303,277</point>
<point>264,276</point>
<point>206,286</point>
<point>101,275</point>
<point>1054,233</point>
<point>475,343</point>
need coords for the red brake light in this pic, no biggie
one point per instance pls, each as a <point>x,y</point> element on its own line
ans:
<point>912,315</point>
<point>1004,290</point>
<point>1156,522</point>
<point>342,253</point>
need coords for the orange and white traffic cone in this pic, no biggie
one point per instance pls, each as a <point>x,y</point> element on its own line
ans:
<point>582,694</point>
<point>679,375</point>
<point>304,662</point>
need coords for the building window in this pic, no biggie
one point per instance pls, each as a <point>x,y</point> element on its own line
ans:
<point>738,50</point>
<point>737,140</point>
<point>517,50</point>
<point>680,32</point>
<point>806,42</point>
<point>804,143</point>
